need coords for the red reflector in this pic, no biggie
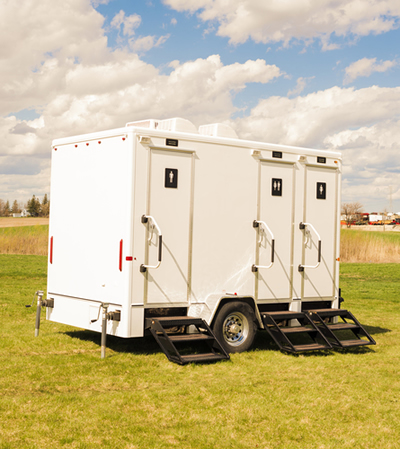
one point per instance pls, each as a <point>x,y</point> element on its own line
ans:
<point>51,250</point>
<point>76,146</point>
<point>120,255</point>
<point>123,138</point>
<point>99,141</point>
<point>87,144</point>
<point>129,258</point>
<point>55,149</point>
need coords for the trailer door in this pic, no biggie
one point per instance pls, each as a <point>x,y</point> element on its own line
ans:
<point>320,232</point>
<point>169,203</point>
<point>274,233</point>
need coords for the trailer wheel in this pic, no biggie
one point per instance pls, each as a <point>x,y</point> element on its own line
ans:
<point>235,326</point>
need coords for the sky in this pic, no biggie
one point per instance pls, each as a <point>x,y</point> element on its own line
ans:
<point>322,74</point>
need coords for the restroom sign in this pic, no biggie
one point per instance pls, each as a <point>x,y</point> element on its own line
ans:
<point>171,178</point>
<point>276,188</point>
<point>321,190</point>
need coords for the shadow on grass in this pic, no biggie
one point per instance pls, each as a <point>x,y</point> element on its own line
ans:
<point>262,342</point>
<point>376,330</point>
<point>142,345</point>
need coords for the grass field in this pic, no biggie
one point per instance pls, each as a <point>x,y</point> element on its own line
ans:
<point>24,239</point>
<point>356,246</point>
<point>58,393</point>
<point>372,246</point>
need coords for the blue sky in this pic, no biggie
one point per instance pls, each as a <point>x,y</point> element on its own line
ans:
<point>318,73</point>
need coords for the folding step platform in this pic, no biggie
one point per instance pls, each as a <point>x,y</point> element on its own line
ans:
<point>181,347</point>
<point>303,336</point>
<point>341,328</point>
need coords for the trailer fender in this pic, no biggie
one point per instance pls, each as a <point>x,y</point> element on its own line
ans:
<point>248,299</point>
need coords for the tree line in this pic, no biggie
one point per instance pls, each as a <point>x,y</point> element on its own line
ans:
<point>34,207</point>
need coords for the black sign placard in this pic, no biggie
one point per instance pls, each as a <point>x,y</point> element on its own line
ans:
<point>171,142</point>
<point>321,160</point>
<point>321,190</point>
<point>171,178</point>
<point>277,154</point>
<point>276,187</point>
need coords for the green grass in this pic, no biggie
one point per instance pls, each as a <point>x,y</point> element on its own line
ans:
<point>56,391</point>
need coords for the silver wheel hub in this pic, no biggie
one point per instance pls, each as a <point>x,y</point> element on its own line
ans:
<point>235,329</point>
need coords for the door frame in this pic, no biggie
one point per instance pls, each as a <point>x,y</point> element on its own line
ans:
<point>165,149</point>
<point>335,243</point>
<point>278,162</point>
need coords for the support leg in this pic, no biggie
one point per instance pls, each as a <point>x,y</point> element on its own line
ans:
<point>38,311</point>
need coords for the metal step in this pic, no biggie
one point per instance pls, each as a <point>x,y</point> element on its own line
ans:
<point>206,357</point>
<point>297,329</point>
<point>284,315</point>
<point>348,343</point>
<point>310,347</point>
<point>331,329</point>
<point>203,343</point>
<point>276,324</point>
<point>190,337</point>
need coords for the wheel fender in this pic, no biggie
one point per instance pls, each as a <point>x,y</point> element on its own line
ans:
<point>248,299</point>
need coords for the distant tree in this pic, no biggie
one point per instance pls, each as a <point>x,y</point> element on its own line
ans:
<point>15,208</point>
<point>45,208</point>
<point>352,212</point>
<point>33,206</point>
<point>4,208</point>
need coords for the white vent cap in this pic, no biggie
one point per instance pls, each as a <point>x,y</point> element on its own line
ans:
<point>218,130</point>
<point>150,124</point>
<point>176,124</point>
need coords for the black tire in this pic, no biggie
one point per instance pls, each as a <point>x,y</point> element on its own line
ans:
<point>235,326</point>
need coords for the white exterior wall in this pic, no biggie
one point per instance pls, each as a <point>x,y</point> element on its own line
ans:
<point>91,191</point>
<point>209,242</point>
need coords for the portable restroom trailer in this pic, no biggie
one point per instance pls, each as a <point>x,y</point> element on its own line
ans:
<point>161,225</point>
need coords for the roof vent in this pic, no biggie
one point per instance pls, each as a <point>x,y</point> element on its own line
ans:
<point>218,130</point>
<point>150,124</point>
<point>172,124</point>
<point>177,125</point>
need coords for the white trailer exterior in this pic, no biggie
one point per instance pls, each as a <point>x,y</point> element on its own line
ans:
<point>241,221</point>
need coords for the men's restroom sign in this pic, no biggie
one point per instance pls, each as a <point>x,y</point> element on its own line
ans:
<point>321,190</point>
<point>171,178</point>
<point>276,188</point>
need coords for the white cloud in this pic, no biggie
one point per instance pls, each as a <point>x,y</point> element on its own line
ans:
<point>47,39</point>
<point>129,23</point>
<point>174,21</point>
<point>199,90</point>
<point>284,21</point>
<point>365,67</point>
<point>300,86</point>
<point>308,120</point>
<point>146,43</point>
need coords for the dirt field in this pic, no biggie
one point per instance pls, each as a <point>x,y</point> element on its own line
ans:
<point>8,222</point>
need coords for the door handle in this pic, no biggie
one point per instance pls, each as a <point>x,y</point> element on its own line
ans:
<point>262,225</point>
<point>303,226</point>
<point>152,222</point>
